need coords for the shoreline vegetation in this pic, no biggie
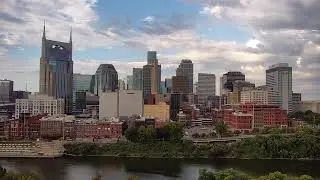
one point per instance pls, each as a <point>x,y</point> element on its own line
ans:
<point>147,143</point>
<point>227,174</point>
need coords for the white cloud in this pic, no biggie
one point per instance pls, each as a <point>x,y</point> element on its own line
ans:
<point>149,19</point>
<point>22,23</point>
<point>253,43</point>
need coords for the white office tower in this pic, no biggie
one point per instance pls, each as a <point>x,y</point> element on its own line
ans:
<point>122,103</point>
<point>206,86</point>
<point>279,84</point>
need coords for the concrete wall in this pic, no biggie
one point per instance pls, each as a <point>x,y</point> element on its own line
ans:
<point>130,102</point>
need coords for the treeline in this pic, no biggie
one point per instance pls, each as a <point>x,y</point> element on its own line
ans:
<point>231,174</point>
<point>4,175</point>
<point>304,144</point>
<point>172,131</point>
<point>308,116</point>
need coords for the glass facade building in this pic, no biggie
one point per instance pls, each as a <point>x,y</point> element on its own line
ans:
<point>56,70</point>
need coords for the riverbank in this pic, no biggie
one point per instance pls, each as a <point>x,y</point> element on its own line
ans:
<point>302,146</point>
<point>114,156</point>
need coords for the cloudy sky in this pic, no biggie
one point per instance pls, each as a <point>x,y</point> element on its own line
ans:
<point>217,35</point>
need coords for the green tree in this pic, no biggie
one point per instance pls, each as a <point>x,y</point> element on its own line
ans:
<point>304,177</point>
<point>274,176</point>
<point>132,134</point>
<point>146,134</point>
<point>174,130</point>
<point>133,178</point>
<point>206,175</point>
<point>221,128</point>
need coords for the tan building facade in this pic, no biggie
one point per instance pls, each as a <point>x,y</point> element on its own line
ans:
<point>160,111</point>
<point>254,96</point>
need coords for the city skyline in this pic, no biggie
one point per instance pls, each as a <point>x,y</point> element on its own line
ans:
<point>201,32</point>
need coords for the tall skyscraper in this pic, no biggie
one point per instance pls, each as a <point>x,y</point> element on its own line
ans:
<point>206,87</point>
<point>6,91</point>
<point>180,84</point>
<point>81,82</point>
<point>168,85</point>
<point>129,82</point>
<point>147,82</point>
<point>279,84</point>
<point>227,80</point>
<point>92,84</point>
<point>186,69</point>
<point>106,79</point>
<point>137,79</point>
<point>81,85</point>
<point>151,56</point>
<point>151,76</point>
<point>56,70</point>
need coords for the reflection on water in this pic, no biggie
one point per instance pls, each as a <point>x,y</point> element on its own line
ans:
<point>155,169</point>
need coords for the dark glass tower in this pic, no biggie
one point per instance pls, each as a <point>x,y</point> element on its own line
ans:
<point>56,70</point>
<point>106,79</point>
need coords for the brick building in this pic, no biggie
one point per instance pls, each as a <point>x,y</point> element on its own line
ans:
<point>266,115</point>
<point>69,127</point>
<point>254,116</point>
<point>27,127</point>
<point>241,122</point>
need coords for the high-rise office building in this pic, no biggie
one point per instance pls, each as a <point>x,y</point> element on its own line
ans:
<point>92,83</point>
<point>147,81</point>
<point>106,79</point>
<point>151,56</point>
<point>81,85</point>
<point>168,85</point>
<point>6,91</point>
<point>180,84</point>
<point>279,84</point>
<point>129,82</point>
<point>206,87</point>
<point>175,103</point>
<point>137,78</point>
<point>20,95</point>
<point>240,85</point>
<point>186,69</point>
<point>81,82</point>
<point>56,70</point>
<point>227,80</point>
<point>296,97</point>
<point>151,76</point>
<point>163,87</point>
<point>296,102</point>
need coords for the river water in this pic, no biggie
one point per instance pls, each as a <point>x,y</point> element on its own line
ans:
<point>150,169</point>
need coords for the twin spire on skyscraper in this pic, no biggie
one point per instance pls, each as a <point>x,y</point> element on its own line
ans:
<point>44,32</point>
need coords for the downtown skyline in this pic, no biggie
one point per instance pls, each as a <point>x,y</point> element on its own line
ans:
<point>213,34</point>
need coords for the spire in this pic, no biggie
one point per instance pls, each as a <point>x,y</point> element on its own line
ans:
<point>44,29</point>
<point>71,35</point>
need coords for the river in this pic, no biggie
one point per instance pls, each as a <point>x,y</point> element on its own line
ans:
<point>150,169</point>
